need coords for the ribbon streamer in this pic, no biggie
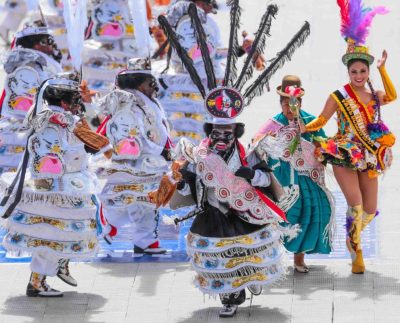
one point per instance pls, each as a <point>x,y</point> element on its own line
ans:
<point>141,25</point>
<point>75,16</point>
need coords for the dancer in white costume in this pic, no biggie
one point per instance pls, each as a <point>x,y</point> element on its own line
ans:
<point>52,12</point>
<point>34,59</point>
<point>112,38</point>
<point>138,130</point>
<point>50,204</point>
<point>12,14</point>
<point>179,96</point>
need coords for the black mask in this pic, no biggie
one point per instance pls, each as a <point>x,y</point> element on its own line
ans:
<point>222,138</point>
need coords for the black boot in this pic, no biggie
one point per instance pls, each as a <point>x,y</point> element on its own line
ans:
<point>64,274</point>
<point>38,287</point>
<point>230,302</point>
<point>228,310</point>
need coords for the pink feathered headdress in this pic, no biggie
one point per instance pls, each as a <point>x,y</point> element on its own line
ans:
<point>356,20</point>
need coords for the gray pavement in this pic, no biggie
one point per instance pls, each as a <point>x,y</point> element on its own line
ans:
<point>156,293</point>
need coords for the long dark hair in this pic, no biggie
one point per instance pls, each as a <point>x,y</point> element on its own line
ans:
<point>54,96</point>
<point>377,104</point>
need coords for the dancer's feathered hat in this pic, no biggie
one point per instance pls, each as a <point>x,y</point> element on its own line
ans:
<point>356,20</point>
<point>227,101</point>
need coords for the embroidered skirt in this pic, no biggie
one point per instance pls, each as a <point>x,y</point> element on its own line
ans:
<point>232,262</point>
<point>57,215</point>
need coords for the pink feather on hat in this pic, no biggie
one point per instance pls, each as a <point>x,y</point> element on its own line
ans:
<point>356,19</point>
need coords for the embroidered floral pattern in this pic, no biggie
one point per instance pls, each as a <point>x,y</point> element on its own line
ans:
<point>25,242</point>
<point>235,191</point>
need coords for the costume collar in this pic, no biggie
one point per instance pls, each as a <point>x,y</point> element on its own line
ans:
<point>50,61</point>
<point>146,100</point>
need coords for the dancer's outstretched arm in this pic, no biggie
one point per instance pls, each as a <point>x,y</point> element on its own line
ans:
<point>328,111</point>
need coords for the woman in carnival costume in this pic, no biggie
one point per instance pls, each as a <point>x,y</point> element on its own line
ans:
<point>49,206</point>
<point>235,240</point>
<point>33,58</point>
<point>139,133</point>
<point>361,149</point>
<point>292,161</point>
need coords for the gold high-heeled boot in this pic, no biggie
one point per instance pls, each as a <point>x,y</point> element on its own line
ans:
<point>353,241</point>
<point>366,219</point>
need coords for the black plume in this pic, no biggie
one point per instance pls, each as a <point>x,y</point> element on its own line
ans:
<point>231,69</point>
<point>258,45</point>
<point>257,88</point>
<point>181,52</point>
<point>202,43</point>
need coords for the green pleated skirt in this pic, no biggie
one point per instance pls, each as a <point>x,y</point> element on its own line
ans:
<point>312,211</point>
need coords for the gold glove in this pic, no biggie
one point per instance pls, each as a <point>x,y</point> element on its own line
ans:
<point>316,124</point>
<point>390,91</point>
<point>88,136</point>
<point>167,186</point>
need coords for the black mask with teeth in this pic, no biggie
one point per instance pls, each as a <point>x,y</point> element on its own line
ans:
<point>222,138</point>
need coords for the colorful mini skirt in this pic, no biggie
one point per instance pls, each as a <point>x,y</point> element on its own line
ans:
<point>345,152</point>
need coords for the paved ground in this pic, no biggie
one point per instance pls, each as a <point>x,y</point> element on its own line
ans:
<point>155,293</point>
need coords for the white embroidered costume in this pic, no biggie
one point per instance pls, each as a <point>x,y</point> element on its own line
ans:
<point>62,223</point>
<point>26,69</point>
<point>110,42</point>
<point>138,133</point>
<point>179,96</point>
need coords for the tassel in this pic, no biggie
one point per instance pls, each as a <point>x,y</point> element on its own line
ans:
<point>231,69</point>
<point>202,43</point>
<point>181,52</point>
<point>257,87</point>
<point>257,46</point>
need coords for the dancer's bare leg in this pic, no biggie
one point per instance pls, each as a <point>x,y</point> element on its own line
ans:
<point>369,191</point>
<point>299,259</point>
<point>348,181</point>
<point>299,264</point>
